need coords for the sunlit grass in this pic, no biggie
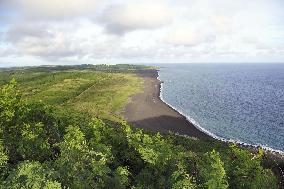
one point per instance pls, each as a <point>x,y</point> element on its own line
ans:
<point>96,93</point>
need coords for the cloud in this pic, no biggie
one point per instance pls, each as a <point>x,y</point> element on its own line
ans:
<point>134,15</point>
<point>54,9</point>
<point>60,41</point>
<point>6,51</point>
<point>41,40</point>
<point>188,36</point>
<point>141,30</point>
<point>19,31</point>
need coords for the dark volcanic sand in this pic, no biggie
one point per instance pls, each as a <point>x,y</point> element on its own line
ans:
<point>147,111</point>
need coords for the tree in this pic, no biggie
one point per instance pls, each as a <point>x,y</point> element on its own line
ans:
<point>214,174</point>
<point>33,144</point>
<point>154,150</point>
<point>38,112</point>
<point>28,130</point>
<point>120,179</point>
<point>247,172</point>
<point>181,179</point>
<point>3,156</point>
<point>11,106</point>
<point>12,110</point>
<point>162,162</point>
<point>80,166</point>
<point>30,175</point>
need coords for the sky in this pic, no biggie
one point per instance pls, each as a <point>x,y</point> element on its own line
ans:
<point>37,32</point>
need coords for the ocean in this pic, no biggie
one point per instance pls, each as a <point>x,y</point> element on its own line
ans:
<point>239,102</point>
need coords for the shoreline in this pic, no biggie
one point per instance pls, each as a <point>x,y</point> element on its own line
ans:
<point>192,121</point>
<point>215,137</point>
<point>147,110</point>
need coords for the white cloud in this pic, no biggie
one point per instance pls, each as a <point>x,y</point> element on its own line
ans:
<point>146,31</point>
<point>42,40</point>
<point>55,9</point>
<point>61,41</point>
<point>27,30</point>
<point>188,36</point>
<point>134,15</point>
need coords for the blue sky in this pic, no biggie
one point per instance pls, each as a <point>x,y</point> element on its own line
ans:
<point>36,32</point>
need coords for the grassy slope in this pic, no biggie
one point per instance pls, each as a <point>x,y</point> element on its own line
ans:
<point>96,93</point>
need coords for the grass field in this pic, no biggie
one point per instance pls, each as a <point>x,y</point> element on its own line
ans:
<point>96,93</point>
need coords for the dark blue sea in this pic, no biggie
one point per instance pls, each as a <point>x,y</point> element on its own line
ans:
<point>239,102</point>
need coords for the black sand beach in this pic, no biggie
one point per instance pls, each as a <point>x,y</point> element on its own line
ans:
<point>147,111</point>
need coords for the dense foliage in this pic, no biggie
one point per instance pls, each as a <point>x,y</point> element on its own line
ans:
<point>39,149</point>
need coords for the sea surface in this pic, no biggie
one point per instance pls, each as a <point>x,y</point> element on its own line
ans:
<point>239,102</point>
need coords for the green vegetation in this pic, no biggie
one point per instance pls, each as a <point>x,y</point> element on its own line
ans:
<point>80,89</point>
<point>64,130</point>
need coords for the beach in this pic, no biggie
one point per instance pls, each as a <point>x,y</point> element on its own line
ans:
<point>147,111</point>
